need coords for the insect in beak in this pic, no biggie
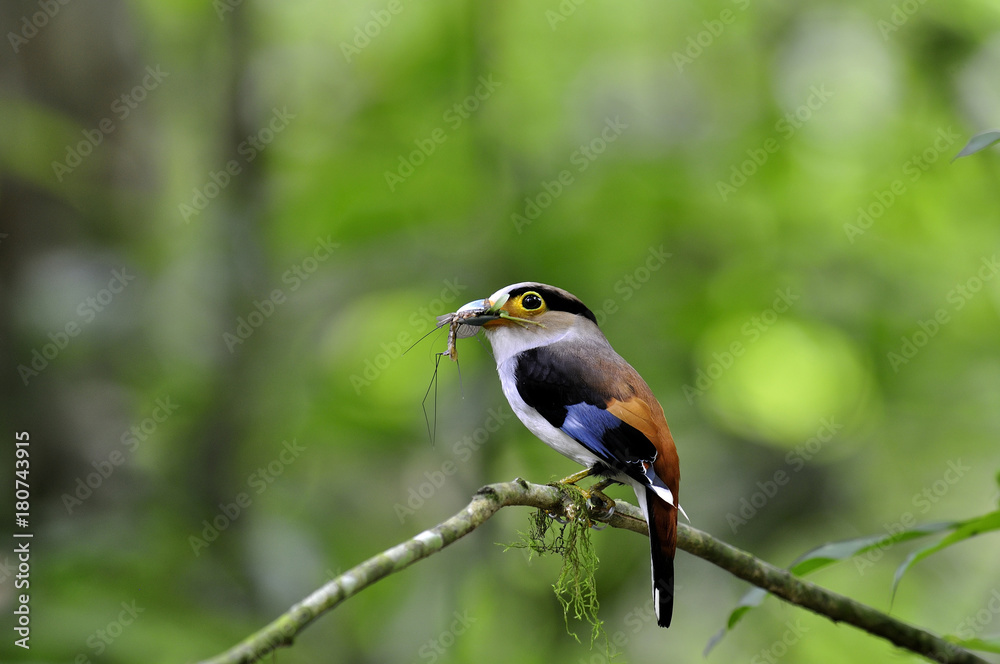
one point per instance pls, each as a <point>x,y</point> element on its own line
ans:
<point>461,324</point>
<point>473,315</point>
<point>466,322</point>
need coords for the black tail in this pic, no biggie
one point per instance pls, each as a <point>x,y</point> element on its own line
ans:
<point>662,520</point>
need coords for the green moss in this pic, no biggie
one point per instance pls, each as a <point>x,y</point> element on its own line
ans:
<point>568,535</point>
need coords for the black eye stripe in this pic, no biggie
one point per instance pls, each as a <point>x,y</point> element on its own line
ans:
<point>555,300</point>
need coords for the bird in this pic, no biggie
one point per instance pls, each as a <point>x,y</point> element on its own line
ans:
<point>571,389</point>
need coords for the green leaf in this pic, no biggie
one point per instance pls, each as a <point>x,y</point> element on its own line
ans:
<point>833,552</point>
<point>825,555</point>
<point>749,600</point>
<point>986,644</point>
<point>977,143</point>
<point>962,531</point>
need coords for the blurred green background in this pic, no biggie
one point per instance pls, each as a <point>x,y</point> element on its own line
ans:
<point>222,223</point>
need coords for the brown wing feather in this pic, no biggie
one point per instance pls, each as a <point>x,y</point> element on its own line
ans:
<point>649,419</point>
<point>646,415</point>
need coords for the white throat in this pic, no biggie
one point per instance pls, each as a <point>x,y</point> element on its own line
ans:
<point>509,341</point>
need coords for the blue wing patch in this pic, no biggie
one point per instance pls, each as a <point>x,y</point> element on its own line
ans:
<point>589,425</point>
<point>613,441</point>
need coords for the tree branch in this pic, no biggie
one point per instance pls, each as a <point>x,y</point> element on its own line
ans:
<point>493,497</point>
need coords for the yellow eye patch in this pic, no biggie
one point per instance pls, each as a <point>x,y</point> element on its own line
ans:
<point>525,306</point>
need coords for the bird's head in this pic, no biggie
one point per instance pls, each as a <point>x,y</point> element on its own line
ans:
<point>529,314</point>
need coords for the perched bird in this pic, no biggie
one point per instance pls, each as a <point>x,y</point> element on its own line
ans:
<point>571,389</point>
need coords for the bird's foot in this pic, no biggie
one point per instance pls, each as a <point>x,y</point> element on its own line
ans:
<point>575,477</point>
<point>599,504</point>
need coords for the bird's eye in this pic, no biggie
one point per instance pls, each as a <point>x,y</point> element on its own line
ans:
<point>531,301</point>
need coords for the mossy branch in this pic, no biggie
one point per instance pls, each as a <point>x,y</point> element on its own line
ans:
<point>493,497</point>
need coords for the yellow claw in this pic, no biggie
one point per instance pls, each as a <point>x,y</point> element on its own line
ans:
<point>575,477</point>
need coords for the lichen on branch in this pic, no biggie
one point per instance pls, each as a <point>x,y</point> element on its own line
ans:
<point>567,534</point>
